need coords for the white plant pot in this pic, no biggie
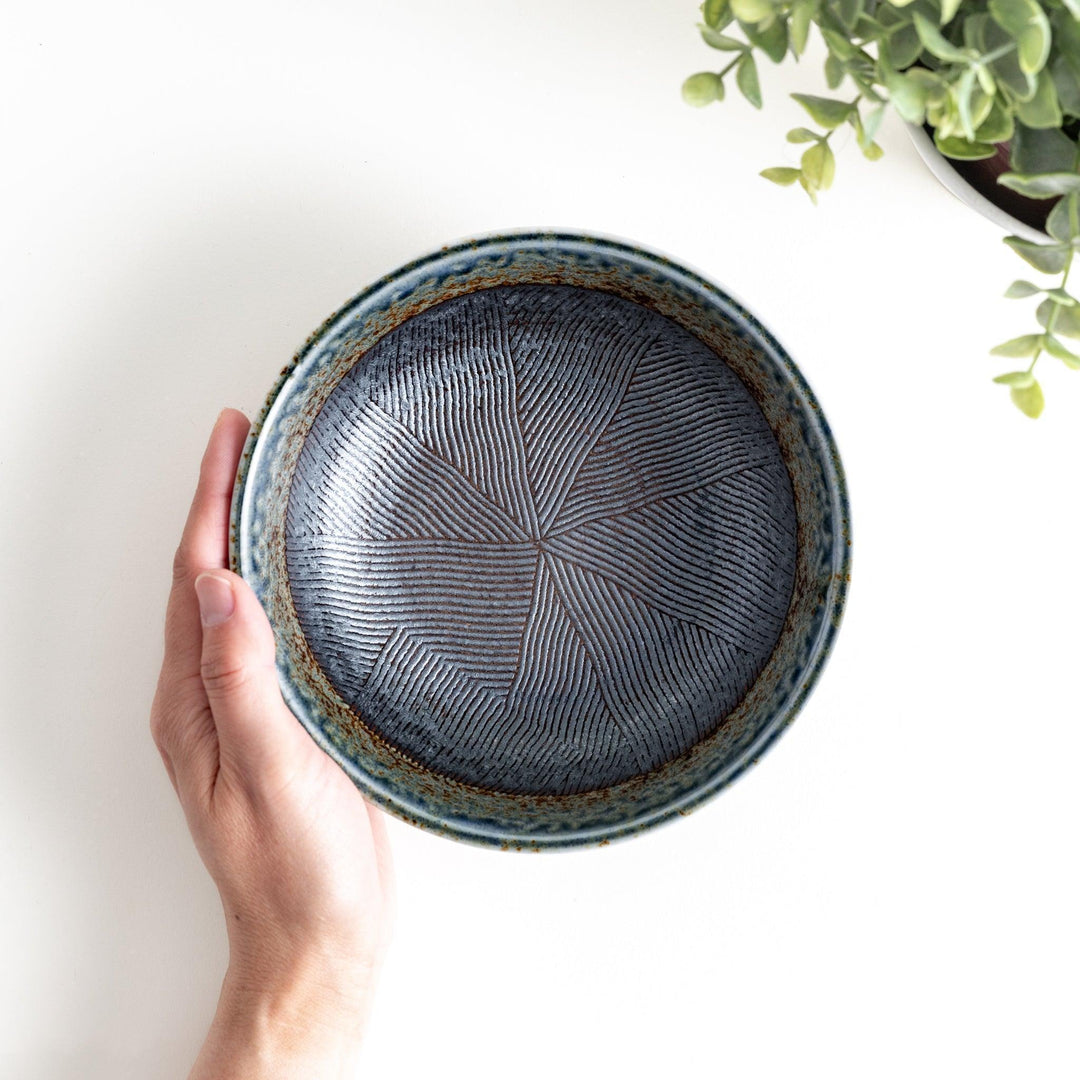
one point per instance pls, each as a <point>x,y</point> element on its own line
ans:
<point>942,168</point>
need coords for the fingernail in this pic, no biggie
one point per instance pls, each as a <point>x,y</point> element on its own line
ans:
<point>216,600</point>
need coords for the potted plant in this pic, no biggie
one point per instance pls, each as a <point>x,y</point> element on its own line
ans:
<point>997,82</point>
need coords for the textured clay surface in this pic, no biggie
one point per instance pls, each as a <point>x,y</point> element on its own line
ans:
<point>541,539</point>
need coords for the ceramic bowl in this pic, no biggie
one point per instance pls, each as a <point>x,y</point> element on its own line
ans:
<point>553,536</point>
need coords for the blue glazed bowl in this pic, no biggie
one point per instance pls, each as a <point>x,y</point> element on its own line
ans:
<point>342,413</point>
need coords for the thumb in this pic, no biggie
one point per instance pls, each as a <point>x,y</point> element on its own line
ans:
<point>257,734</point>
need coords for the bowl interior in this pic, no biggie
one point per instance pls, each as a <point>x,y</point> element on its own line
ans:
<point>561,522</point>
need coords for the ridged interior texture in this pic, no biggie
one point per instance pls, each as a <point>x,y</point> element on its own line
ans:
<point>541,539</point>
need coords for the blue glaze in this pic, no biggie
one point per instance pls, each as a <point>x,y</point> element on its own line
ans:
<point>383,773</point>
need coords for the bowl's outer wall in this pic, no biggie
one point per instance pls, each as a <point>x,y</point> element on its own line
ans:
<point>956,185</point>
<point>383,773</point>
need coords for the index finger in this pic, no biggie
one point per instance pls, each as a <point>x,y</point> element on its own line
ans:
<point>204,544</point>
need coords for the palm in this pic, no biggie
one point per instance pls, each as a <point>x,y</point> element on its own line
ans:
<point>296,852</point>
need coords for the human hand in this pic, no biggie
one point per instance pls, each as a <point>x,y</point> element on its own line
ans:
<point>300,859</point>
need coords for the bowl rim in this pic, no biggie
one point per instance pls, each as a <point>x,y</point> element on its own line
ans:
<point>836,496</point>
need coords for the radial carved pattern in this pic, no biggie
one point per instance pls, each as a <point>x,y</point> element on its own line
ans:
<point>541,539</point>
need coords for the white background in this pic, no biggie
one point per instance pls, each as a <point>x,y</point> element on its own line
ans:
<point>186,192</point>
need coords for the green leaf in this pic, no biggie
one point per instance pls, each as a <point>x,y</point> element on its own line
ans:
<point>961,149</point>
<point>1057,223</point>
<point>1049,258</point>
<point>1063,319</point>
<point>1066,29</point>
<point>1067,84</point>
<point>1042,185</point>
<point>986,79</point>
<point>903,47</point>
<point>827,112</point>
<point>703,88</point>
<point>751,11</point>
<point>799,27</point>
<point>849,12</point>
<point>998,126</point>
<point>949,8</point>
<point>865,130</point>
<point>936,86</point>
<point>819,166</point>
<point>1026,23</point>
<point>1043,110</point>
<point>1015,378</point>
<point>1026,345</point>
<point>1005,65</point>
<point>1061,297</point>
<point>746,77</point>
<point>801,135</point>
<point>1066,322</point>
<point>908,96</point>
<point>839,45</point>
<point>781,174</point>
<point>1034,151</point>
<point>867,27</point>
<point>872,122</point>
<point>942,121</point>
<point>773,40</point>
<point>713,11</point>
<point>834,72</point>
<point>975,31</point>
<point>1019,289</point>
<point>1012,80</point>
<point>721,41</point>
<point>1028,399</point>
<point>936,43</point>
<point>982,105</point>
<point>965,86</point>
<point>1059,352</point>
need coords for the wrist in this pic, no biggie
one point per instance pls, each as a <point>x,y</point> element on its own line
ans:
<point>304,1020</point>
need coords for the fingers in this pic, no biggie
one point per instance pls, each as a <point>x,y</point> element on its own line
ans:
<point>204,545</point>
<point>180,718</point>
<point>258,736</point>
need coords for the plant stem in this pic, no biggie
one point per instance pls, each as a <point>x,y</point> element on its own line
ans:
<point>732,64</point>
<point>998,53</point>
